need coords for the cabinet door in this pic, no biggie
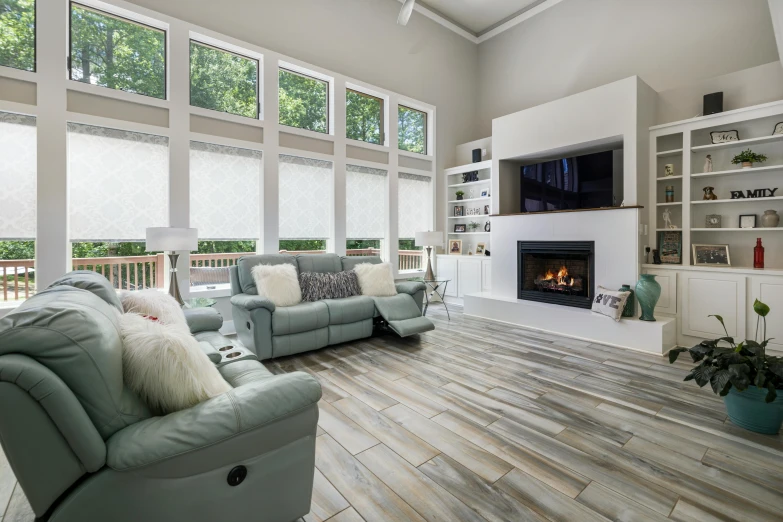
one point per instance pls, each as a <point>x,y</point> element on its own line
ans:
<point>469,276</point>
<point>486,275</point>
<point>705,294</point>
<point>447,269</point>
<point>667,304</point>
<point>768,290</point>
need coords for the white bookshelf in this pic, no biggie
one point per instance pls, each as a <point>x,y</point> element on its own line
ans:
<point>472,199</point>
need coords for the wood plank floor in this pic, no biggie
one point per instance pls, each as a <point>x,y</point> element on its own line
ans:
<point>480,420</point>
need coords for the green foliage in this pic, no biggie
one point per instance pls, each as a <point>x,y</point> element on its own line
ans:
<point>408,244</point>
<point>17,34</point>
<point>739,365</point>
<point>748,156</point>
<point>17,250</point>
<point>226,247</point>
<point>412,130</point>
<point>223,81</point>
<point>298,245</point>
<point>118,54</point>
<point>362,244</point>
<point>363,117</point>
<point>303,102</point>
<point>460,193</point>
<point>473,225</point>
<point>105,249</point>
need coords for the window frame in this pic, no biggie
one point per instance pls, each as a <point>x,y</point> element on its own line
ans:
<point>383,116</point>
<point>86,6</point>
<point>426,128</point>
<point>218,48</point>
<point>328,84</point>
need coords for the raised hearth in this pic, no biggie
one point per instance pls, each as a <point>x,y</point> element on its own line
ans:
<point>557,272</point>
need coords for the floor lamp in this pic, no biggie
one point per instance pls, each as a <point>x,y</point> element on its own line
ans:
<point>429,240</point>
<point>161,239</point>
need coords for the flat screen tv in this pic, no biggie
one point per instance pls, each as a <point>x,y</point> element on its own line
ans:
<point>579,182</point>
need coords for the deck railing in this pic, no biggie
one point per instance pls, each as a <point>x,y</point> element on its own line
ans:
<point>139,272</point>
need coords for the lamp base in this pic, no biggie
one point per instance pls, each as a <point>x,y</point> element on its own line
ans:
<point>173,285</point>
<point>429,276</point>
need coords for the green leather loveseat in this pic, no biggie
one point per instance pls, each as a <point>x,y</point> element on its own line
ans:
<point>85,448</point>
<point>278,331</point>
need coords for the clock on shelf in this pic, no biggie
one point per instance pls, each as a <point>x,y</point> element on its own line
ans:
<point>713,221</point>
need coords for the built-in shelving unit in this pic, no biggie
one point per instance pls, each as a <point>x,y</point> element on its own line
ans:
<point>473,199</point>
<point>739,143</point>
<point>742,200</point>
<point>673,152</point>
<point>753,170</point>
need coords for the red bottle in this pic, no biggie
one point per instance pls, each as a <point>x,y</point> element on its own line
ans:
<point>758,254</point>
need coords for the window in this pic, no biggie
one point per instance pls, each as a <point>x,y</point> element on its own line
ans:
<point>414,205</point>
<point>412,130</point>
<point>223,81</point>
<point>365,201</point>
<point>118,185</point>
<point>17,34</point>
<point>304,101</point>
<point>18,196</point>
<point>113,52</point>
<point>305,211</point>
<point>363,117</point>
<point>225,207</point>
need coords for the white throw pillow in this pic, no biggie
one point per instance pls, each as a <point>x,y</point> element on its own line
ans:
<point>154,303</point>
<point>165,366</point>
<point>610,302</point>
<point>278,283</point>
<point>376,280</point>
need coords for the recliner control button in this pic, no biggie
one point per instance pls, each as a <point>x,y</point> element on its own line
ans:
<point>237,475</point>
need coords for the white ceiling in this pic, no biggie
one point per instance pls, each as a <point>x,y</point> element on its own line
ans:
<point>479,16</point>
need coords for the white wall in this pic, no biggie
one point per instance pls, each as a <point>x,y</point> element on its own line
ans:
<point>580,44</point>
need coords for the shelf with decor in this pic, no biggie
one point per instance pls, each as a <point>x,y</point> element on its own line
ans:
<point>738,143</point>
<point>753,170</point>
<point>741,200</point>
<point>757,230</point>
<point>669,178</point>
<point>469,200</point>
<point>469,183</point>
<point>664,153</point>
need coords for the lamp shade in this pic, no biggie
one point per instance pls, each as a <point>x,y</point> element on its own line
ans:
<point>433,239</point>
<point>172,239</point>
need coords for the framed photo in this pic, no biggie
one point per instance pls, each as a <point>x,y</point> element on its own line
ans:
<point>778,129</point>
<point>460,227</point>
<point>484,193</point>
<point>747,221</point>
<point>670,247</point>
<point>713,221</point>
<point>455,247</point>
<point>724,136</point>
<point>486,210</point>
<point>480,249</point>
<point>459,210</point>
<point>711,255</point>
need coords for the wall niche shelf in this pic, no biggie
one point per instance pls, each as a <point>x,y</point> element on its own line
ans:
<point>468,233</point>
<point>669,204</point>
<point>469,183</point>
<point>672,152</point>
<point>757,229</point>
<point>469,199</point>
<point>752,170</point>
<point>742,200</point>
<point>738,143</point>
<point>669,178</point>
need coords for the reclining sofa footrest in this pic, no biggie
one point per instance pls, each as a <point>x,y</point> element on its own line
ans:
<point>402,315</point>
<point>406,327</point>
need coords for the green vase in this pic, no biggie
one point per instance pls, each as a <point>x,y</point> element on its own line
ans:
<point>630,304</point>
<point>648,291</point>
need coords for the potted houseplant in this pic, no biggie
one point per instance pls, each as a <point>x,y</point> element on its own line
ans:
<point>747,158</point>
<point>743,374</point>
<point>460,194</point>
<point>473,225</point>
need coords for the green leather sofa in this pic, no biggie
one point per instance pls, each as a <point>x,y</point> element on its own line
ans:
<point>86,449</point>
<point>278,331</point>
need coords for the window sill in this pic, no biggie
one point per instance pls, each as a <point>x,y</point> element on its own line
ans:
<point>226,116</point>
<point>218,291</point>
<point>305,132</point>
<point>416,155</point>
<point>108,92</point>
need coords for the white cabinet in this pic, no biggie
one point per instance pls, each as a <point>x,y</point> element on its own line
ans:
<point>713,293</point>
<point>667,304</point>
<point>469,275</point>
<point>447,269</point>
<point>486,275</point>
<point>768,290</point>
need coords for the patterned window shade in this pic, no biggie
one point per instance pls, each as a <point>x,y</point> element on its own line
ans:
<point>225,192</point>
<point>414,204</point>
<point>17,176</point>
<point>305,198</point>
<point>118,183</point>
<point>365,202</point>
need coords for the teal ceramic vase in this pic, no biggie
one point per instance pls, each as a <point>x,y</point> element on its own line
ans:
<point>748,410</point>
<point>630,304</point>
<point>648,291</point>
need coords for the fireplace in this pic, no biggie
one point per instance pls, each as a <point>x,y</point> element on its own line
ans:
<point>558,272</point>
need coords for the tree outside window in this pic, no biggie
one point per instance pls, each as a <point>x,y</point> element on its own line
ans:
<point>223,81</point>
<point>304,102</point>
<point>412,130</point>
<point>17,34</point>
<point>116,53</point>
<point>363,117</point>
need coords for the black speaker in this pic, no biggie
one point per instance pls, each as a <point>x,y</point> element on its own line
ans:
<point>476,155</point>
<point>713,103</point>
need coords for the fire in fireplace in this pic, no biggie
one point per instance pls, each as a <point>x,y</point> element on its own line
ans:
<point>559,272</point>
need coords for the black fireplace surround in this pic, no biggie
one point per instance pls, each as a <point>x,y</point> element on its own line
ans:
<point>557,272</point>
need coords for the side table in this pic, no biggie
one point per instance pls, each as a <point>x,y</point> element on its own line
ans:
<point>437,287</point>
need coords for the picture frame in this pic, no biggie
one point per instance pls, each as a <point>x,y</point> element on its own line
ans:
<point>711,255</point>
<point>670,247</point>
<point>480,247</point>
<point>486,210</point>
<point>778,129</point>
<point>747,221</point>
<point>713,221</point>
<point>485,193</point>
<point>724,136</point>
<point>459,211</point>
<point>455,247</point>
<point>460,228</point>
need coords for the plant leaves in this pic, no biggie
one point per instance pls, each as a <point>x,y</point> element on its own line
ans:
<point>760,308</point>
<point>720,380</point>
<point>673,354</point>
<point>776,367</point>
<point>701,350</point>
<point>771,393</point>
<point>703,373</point>
<point>760,379</point>
<point>739,374</point>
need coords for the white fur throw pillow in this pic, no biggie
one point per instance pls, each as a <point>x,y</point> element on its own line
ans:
<point>154,303</point>
<point>376,280</point>
<point>610,302</point>
<point>278,283</point>
<point>165,366</point>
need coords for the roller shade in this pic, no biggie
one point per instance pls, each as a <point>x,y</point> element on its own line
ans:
<point>225,192</point>
<point>305,198</point>
<point>365,201</point>
<point>18,172</point>
<point>414,204</point>
<point>118,183</point>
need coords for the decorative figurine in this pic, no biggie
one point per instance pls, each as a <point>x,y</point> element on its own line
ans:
<point>667,220</point>
<point>708,194</point>
<point>707,164</point>
<point>669,193</point>
<point>668,170</point>
<point>486,226</point>
<point>472,193</point>
<point>657,257</point>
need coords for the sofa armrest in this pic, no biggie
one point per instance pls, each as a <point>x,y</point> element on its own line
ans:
<point>251,302</point>
<point>203,319</point>
<point>410,287</point>
<point>210,434</point>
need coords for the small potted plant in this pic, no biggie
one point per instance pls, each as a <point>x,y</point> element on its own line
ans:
<point>743,374</point>
<point>460,194</point>
<point>747,158</point>
<point>473,225</point>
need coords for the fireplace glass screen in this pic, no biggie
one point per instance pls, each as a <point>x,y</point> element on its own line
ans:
<point>556,272</point>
